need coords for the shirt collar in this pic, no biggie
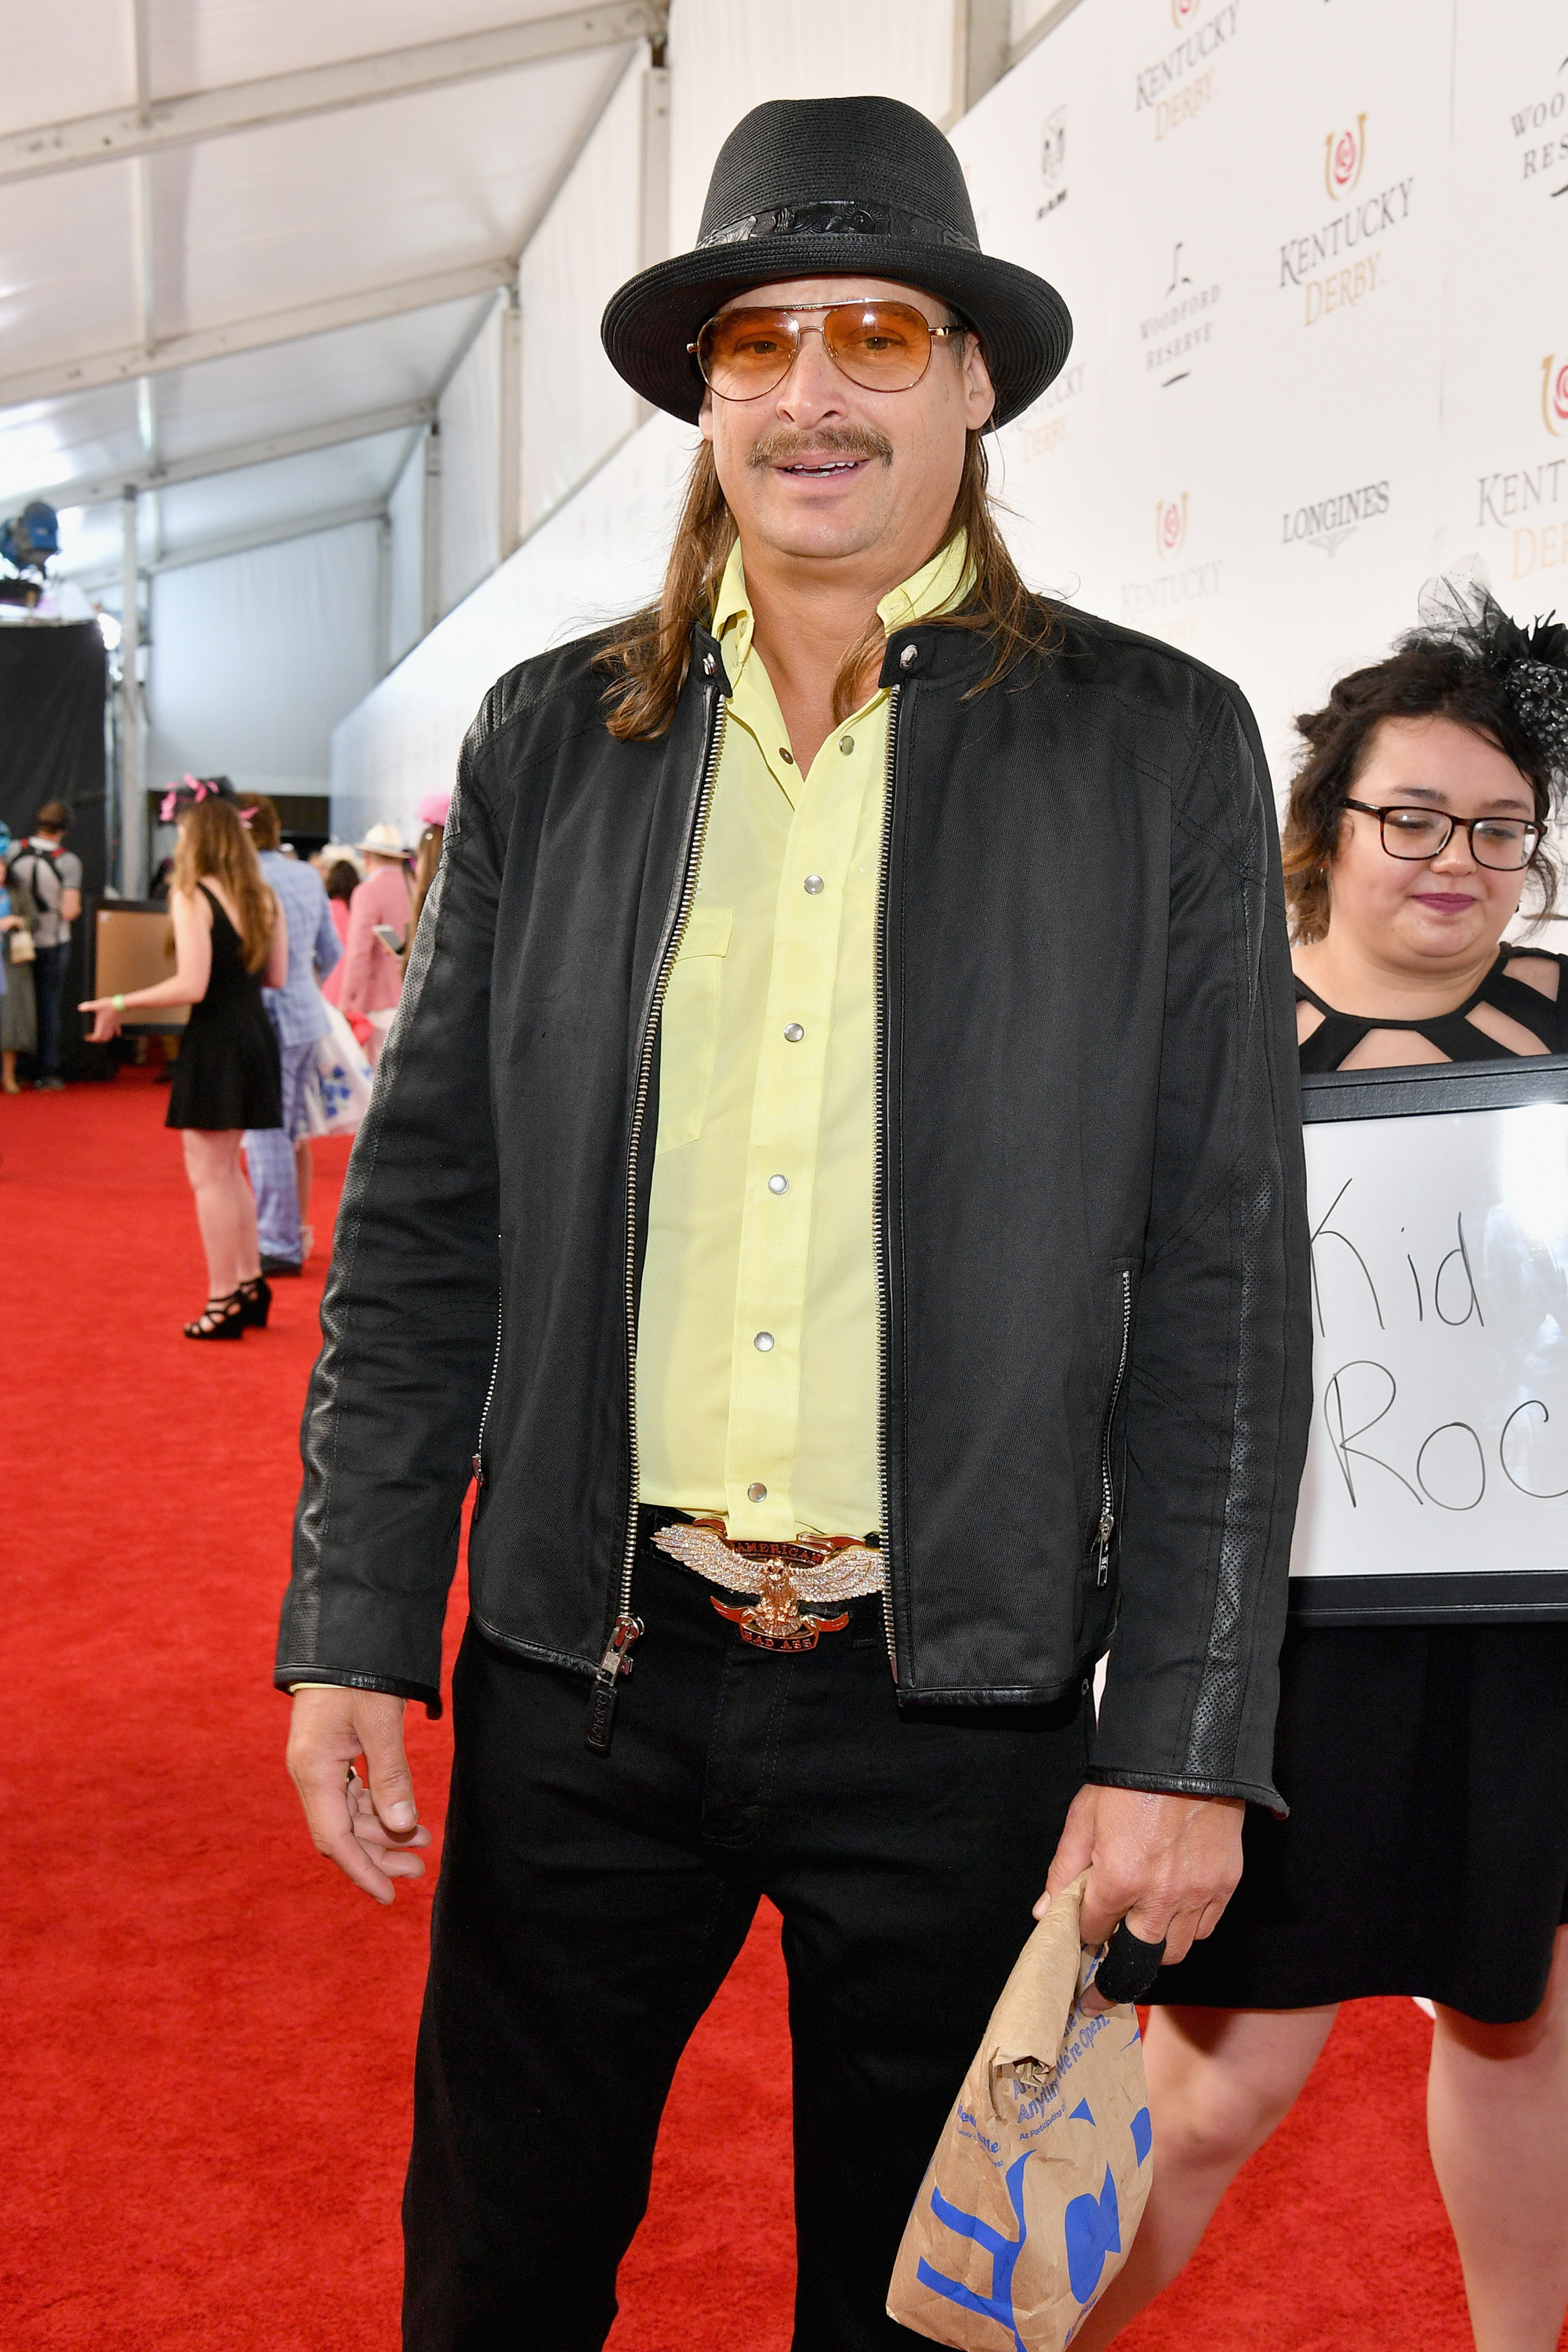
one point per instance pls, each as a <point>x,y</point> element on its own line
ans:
<point>936,587</point>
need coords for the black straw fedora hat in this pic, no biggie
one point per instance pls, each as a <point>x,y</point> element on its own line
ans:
<point>835,186</point>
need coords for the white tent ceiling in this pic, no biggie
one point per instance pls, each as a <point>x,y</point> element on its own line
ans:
<point>222,239</point>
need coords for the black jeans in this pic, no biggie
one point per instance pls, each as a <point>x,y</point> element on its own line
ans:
<point>589,1907</point>
<point>49,983</point>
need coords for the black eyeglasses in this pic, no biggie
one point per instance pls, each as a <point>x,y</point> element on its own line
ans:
<point>1504,843</point>
<point>882,346</point>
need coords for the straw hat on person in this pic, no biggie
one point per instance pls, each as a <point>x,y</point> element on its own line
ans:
<point>383,841</point>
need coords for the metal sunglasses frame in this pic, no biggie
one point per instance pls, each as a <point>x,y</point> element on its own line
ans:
<point>807,310</point>
<point>1418,857</point>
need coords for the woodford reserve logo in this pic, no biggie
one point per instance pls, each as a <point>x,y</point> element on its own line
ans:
<point>1178,332</point>
<point>1541,129</point>
<point>1179,85</point>
<point>1339,266</point>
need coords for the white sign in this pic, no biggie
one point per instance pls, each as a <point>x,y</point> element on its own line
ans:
<point>1439,1441</point>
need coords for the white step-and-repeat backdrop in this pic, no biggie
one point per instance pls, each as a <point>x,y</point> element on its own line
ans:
<point>1317,254</point>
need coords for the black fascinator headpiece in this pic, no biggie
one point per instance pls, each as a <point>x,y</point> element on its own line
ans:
<point>1530,666</point>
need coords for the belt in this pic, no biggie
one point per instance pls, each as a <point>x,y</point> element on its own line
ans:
<point>781,1575</point>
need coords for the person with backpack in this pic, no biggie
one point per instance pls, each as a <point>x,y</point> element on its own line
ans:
<point>53,875</point>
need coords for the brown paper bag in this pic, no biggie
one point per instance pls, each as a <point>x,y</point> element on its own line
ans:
<point>1038,2183</point>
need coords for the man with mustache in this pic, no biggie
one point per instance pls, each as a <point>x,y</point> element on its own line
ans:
<point>851,1037</point>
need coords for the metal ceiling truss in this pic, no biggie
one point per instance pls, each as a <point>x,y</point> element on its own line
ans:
<point>161,123</point>
<point>101,488</point>
<point>62,377</point>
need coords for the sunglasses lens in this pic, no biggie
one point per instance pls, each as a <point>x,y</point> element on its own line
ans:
<point>745,354</point>
<point>881,346</point>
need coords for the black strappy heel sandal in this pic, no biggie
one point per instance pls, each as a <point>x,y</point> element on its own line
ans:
<point>255,1302</point>
<point>223,1318</point>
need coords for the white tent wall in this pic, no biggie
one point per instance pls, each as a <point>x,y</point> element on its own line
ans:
<point>470,466</point>
<point>255,659</point>
<point>406,558</point>
<point>575,408</point>
<point>600,554</point>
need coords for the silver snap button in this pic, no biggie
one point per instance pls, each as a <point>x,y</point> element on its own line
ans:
<point>762,1343</point>
<point>794,1032</point>
<point>710,663</point>
<point>814,884</point>
<point>756,1492</point>
<point>908,658</point>
<point>778,1183</point>
<point>847,742</point>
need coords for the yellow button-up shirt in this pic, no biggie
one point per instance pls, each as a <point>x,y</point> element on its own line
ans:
<point>756,1373</point>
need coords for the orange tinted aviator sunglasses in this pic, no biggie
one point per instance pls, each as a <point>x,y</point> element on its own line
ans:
<point>881,346</point>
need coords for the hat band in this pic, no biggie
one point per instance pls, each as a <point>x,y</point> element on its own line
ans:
<point>838,216</point>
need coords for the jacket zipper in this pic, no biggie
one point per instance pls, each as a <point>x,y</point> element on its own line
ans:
<point>878,1190</point>
<point>489,1399</point>
<point>616,1660</point>
<point>1107,1492</point>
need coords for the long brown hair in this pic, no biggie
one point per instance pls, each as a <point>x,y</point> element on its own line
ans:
<point>1427,678</point>
<point>213,846</point>
<point>426,858</point>
<point>647,660</point>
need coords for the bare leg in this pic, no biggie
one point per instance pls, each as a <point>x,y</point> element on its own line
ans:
<point>304,1175</point>
<point>225,1209</point>
<point>1497,2119</point>
<point>1220,2080</point>
<point>8,1072</point>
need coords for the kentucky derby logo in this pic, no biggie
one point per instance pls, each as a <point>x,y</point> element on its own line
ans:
<point>1344,153</point>
<point>1184,11</point>
<point>1555,393</point>
<point>1170,524</point>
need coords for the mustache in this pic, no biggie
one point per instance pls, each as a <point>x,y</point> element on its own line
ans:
<point>786,443</point>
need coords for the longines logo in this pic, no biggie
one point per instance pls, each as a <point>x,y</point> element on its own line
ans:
<point>1053,161</point>
<point>1330,522</point>
<point>1344,153</point>
<point>1541,129</point>
<point>1307,261</point>
<point>1179,85</point>
<point>1177,333</point>
<point>1171,525</point>
<point>1555,393</point>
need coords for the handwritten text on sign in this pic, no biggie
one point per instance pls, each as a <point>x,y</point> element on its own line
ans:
<point>1440,1335</point>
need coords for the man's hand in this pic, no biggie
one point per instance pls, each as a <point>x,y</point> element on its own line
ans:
<point>1166,1864</point>
<point>369,1832</point>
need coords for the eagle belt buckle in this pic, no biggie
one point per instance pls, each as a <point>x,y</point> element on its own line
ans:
<point>780,1575</point>
<point>773,1620</point>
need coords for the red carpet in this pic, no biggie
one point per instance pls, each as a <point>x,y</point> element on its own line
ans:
<point>208,2032</point>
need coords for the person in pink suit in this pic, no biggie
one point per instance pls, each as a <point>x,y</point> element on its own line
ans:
<point>373,972</point>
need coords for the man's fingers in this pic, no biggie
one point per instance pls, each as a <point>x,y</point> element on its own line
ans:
<point>391,1781</point>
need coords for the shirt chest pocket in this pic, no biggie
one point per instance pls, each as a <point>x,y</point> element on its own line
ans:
<point>689,1026</point>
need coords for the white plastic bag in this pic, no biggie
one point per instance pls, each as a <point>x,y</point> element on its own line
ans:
<point>338,1084</point>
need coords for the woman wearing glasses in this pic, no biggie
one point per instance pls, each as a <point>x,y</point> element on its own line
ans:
<point>1427,1767</point>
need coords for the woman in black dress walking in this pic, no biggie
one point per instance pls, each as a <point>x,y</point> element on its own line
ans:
<point>230,942</point>
<point>1426,1766</point>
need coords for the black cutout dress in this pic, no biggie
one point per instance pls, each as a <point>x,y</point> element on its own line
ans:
<point>227,1074</point>
<point>1425,1767</point>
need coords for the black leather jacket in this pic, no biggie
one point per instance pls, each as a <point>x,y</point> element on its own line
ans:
<point>1090,1223</point>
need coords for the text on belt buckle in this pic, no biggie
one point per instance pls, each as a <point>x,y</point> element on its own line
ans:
<point>773,1620</point>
